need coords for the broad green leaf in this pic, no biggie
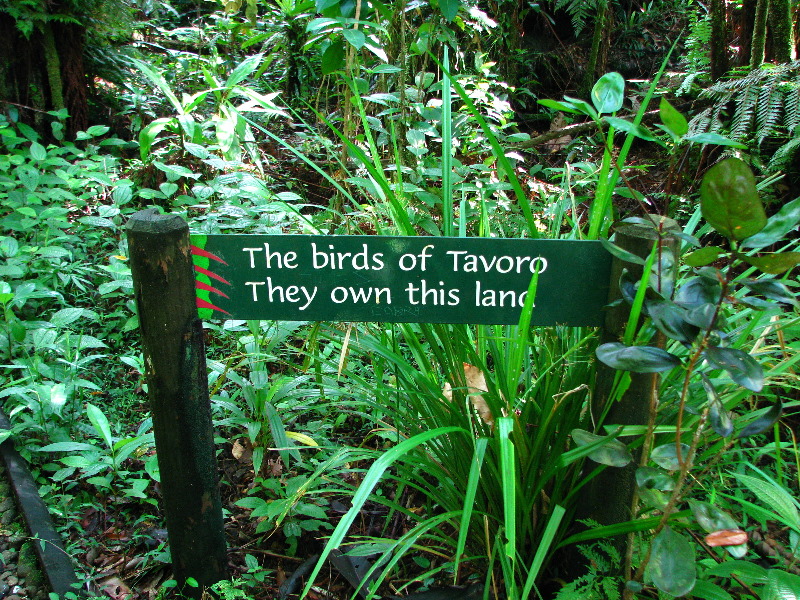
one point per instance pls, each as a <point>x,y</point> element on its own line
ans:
<point>562,106</point>
<point>67,447</point>
<point>608,93</point>
<point>243,70</point>
<point>775,497</point>
<point>333,57</point>
<point>168,189</point>
<point>741,367</point>
<point>65,316</point>
<point>713,519</point>
<point>449,9</point>
<point>639,359</point>
<point>354,37</point>
<point>706,590</point>
<point>38,151</point>
<point>713,138</point>
<point>666,456</point>
<point>764,422</point>
<point>583,107</point>
<point>612,452</point>
<point>749,572</point>
<point>703,256</point>
<point>778,225</point>
<point>673,121</point>
<point>100,423</point>
<point>672,563</point>
<point>729,200</point>
<point>97,130</point>
<point>774,264</point>
<point>703,316</point>
<point>781,586</point>
<point>97,222</point>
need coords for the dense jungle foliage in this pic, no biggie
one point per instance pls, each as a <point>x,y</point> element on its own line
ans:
<point>656,459</point>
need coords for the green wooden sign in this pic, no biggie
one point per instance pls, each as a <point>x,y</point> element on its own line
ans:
<point>399,279</point>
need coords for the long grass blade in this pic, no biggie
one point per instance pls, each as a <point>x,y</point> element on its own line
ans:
<point>469,502</point>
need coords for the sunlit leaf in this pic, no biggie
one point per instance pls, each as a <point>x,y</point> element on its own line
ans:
<point>781,586</point>
<point>639,359</point>
<point>741,367</point>
<point>713,138</point>
<point>672,119</point>
<point>639,131</point>
<point>608,93</point>
<point>652,478</point>
<point>672,563</point>
<point>729,200</point>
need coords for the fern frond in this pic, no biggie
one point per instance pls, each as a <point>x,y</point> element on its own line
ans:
<point>783,155</point>
<point>768,118</point>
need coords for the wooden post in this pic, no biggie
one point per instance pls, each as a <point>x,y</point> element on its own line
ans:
<point>610,494</point>
<point>174,358</point>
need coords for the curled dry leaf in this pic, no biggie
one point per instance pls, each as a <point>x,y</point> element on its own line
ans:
<point>476,387</point>
<point>727,537</point>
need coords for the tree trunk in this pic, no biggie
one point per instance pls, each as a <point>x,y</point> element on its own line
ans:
<point>780,21</point>
<point>74,86</point>
<point>598,55</point>
<point>759,44</point>
<point>746,18</point>
<point>719,39</point>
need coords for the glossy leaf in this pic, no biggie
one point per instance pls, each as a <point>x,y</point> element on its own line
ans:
<point>612,452</point>
<point>774,264</point>
<point>705,590</point>
<point>608,93</point>
<point>100,423</point>
<point>778,225</point>
<point>772,290</point>
<point>567,107</point>
<point>703,256</point>
<point>583,107</point>
<point>666,457</point>
<point>781,586</point>
<point>729,200</point>
<point>674,122</point>
<point>355,37</point>
<point>333,57</point>
<point>720,418</point>
<point>672,563</point>
<point>741,367</point>
<point>670,319</point>
<point>639,359</point>
<point>698,291</point>
<point>711,518</point>
<point>702,316</point>
<point>764,422</point>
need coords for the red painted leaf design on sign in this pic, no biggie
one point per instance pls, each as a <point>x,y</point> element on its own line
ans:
<point>208,288</point>
<point>203,304</point>
<point>197,251</point>
<point>210,274</point>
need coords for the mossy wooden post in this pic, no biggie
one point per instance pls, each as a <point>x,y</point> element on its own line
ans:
<point>610,495</point>
<point>174,357</point>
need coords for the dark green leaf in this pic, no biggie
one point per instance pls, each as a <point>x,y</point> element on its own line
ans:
<point>764,422</point>
<point>704,256</point>
<point>741,367</point>
<point>666,456</point>
<point>628,286</point>
<point>773,290</point>
<point>612,452</point>
<point>778,225</point>
<point>673,121</point>
<point>620,253</point>
<point>562,106</point>
<point>672,565</point>
<point>720,418</point>
<point>711,518</point>
<point>449,9</point>
<point>781,586</point>
<point>639,359</point>
<point>670,319</point>
<point>705,590</point>
<point>729,200</point>
<point>333,57</point>
<point>702,316</point>
<point>608,93</point>
<point>713,138</point>
<point>582,106</point>
<point>698,291</point>
<point>774,264</point>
